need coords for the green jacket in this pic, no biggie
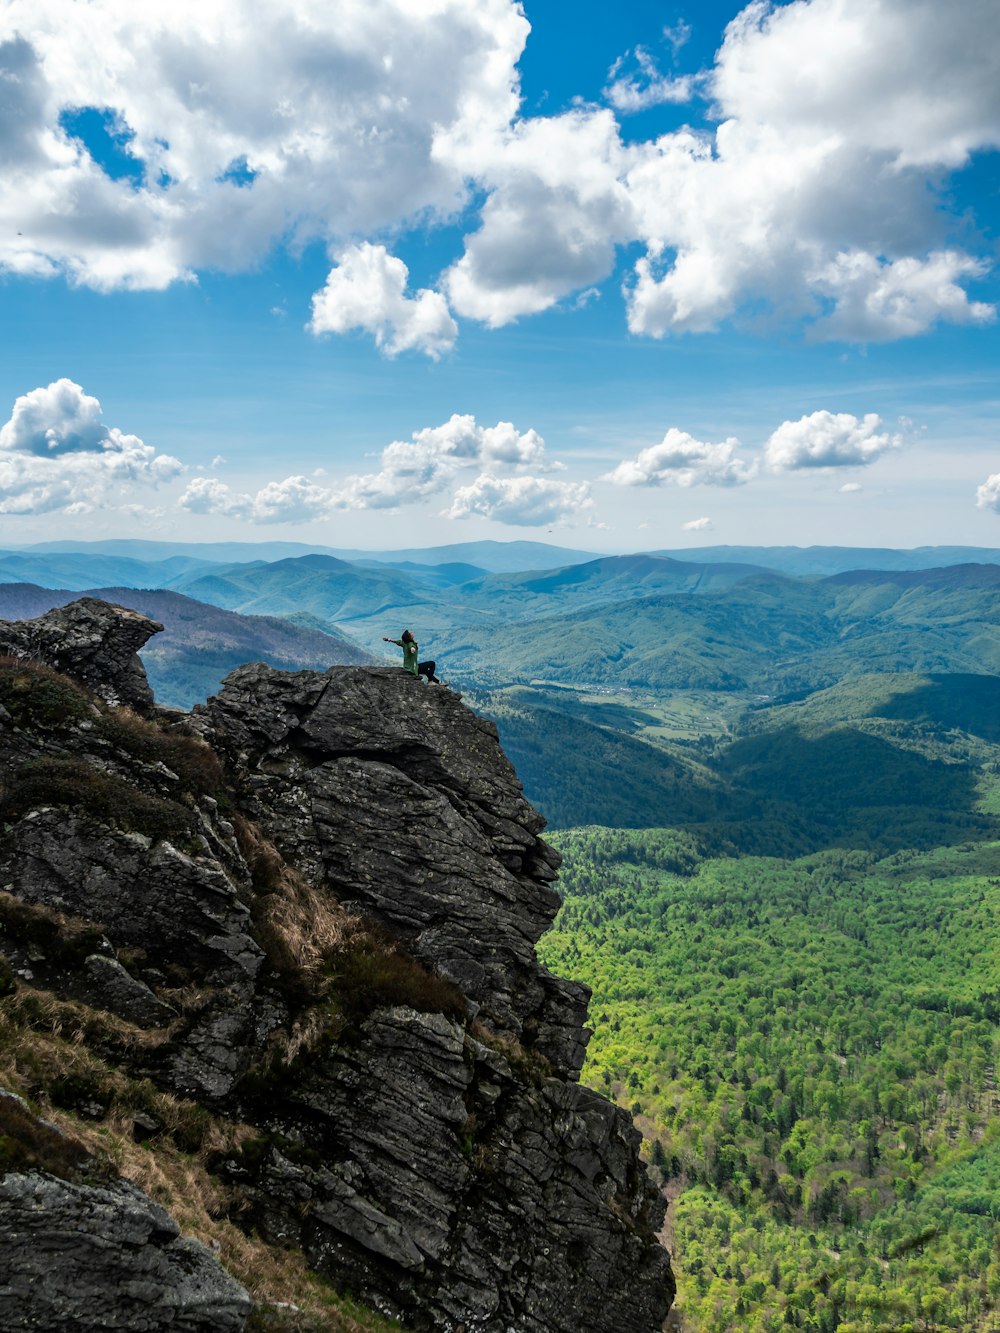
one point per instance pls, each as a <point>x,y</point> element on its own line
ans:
<point>410,654</point>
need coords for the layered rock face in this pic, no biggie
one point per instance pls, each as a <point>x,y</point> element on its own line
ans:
<point>426,1144</point>
<point>401,801</point>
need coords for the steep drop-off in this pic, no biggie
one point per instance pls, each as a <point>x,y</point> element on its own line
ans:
<point>310,909</point>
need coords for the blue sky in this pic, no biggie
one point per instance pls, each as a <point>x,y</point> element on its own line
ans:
<point>388,273</point>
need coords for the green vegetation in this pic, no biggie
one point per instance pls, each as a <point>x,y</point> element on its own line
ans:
<point>38,698</point>
<point>579,772</point>
<point>939,703</point>
<point>86,789</point>
<point>809,1047</point>
<point>878,763</point>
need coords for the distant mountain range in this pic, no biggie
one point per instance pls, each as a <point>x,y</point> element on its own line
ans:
<point>488,555</point>
<point>763,633</point>
<point>650,621</point>
<point>127,561</point>
<point>200,644</point>
<point>805,561</point>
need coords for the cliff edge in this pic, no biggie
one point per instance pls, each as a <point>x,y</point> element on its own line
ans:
<point>309,910</point>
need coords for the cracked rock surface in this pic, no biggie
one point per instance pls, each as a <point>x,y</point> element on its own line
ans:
<point>400,800</point>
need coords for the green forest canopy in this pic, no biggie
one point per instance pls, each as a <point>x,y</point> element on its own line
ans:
<point>809,1046</point>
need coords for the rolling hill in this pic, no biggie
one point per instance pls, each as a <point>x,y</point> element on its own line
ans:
<point>331,589</point>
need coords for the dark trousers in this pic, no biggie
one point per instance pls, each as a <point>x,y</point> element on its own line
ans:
<point>427,669</point>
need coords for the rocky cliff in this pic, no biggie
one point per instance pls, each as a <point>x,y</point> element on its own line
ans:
<point>306,914</point>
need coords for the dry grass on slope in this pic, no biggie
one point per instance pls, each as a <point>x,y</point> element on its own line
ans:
<point>161,1142</point>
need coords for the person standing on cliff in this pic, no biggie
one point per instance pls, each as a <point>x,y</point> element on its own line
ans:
<point>411,653</point>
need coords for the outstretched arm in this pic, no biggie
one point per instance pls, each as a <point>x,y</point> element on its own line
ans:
<point>397,642</point>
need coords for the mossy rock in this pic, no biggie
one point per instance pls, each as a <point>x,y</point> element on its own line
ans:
<point>28,1143</point>
<point>195,763</point>
<point>8,981</point>
<point>38,698</point>
<point>375,973</point>
<point>103,796</point>
<point>61,938</point>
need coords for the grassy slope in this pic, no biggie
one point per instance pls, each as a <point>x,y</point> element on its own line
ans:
<point>899,773</point>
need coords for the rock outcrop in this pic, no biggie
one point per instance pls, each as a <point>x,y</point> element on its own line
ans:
<point>88,644</point>
<point>78,1256</point>
<point>401,802</point>
<point>330,938</point>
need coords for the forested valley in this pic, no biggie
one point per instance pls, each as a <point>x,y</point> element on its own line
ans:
<point>809,1047</point>
<point>796,988</point>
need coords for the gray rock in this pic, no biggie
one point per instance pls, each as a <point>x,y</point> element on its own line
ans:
<point>93,641</point>
<point>400,800</point>
<point>146,895</point>
<point>75,1254</point>
<point>80,1257</point>
<point>455,1194</point>
<point>109,986</point>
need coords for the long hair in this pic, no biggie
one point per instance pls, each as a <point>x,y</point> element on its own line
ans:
<point>407,637</point>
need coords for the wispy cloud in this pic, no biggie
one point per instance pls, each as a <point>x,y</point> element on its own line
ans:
<point>644,86</point>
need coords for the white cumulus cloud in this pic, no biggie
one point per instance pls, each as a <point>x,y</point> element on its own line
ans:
<point>988,494</point>
<point>878,301</point>
<point>294,500</point>
<point>813,194</point>
<point>557,207</point>
<point>521,501</point>
<point>814,188</point>
<point>681,460</point>
<point>367,290</point>
<point>828,439</point>
<point>429,463</point>
<point>244,126</point>
<point>56,453</point>
<point>697,525</point>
